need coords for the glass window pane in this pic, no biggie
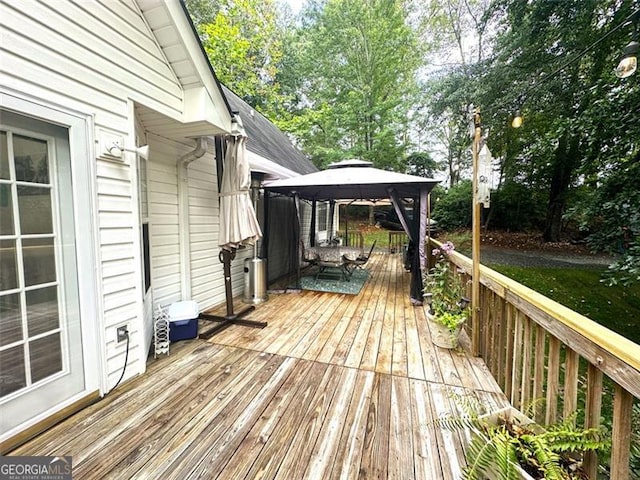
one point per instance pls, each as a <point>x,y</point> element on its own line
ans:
<point>6,210</point>
<point>30,157</point>
<point>42,310</point>
<point>46,357</point>
<point>39,261</point>
<point>10,319</point>
<point>34,204</point>
<point>12,374</point>
<point>4,156</point>
<point>8,265</point>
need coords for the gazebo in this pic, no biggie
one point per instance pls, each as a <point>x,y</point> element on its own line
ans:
<point>359,180</point>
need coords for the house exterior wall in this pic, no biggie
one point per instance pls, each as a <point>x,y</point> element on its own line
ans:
<point>100,58</point>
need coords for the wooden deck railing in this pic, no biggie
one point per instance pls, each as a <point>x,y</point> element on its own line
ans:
<point>537,350</point>
<point>353,239</point>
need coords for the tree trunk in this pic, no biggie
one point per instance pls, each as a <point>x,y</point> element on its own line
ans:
<point>564,164</point>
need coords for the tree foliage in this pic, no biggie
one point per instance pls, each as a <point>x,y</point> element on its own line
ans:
<point>243,42</point>
<point>391,81</point>
<point>554,61</point>
<point>358,60</point>
<point>453,210</point>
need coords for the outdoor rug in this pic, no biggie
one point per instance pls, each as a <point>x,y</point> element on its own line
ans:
<point>352,287</point>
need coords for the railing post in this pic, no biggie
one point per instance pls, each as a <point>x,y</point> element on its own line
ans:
<point>475,242</point>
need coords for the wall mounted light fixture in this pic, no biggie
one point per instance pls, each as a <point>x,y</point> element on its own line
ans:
<point>115,149</point>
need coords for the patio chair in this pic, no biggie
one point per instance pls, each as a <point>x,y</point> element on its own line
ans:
<point>352,265</point>
<point>307,257</point>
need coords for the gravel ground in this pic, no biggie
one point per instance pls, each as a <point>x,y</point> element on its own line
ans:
<point>530,258</point>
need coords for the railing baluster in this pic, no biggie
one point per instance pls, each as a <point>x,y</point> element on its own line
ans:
<point>517,361</point>
<point>553,371</point>
<point>538,374</point>
<point>621,434</point>
<point>593,405</point>
<point>525,389</point>
<point>500,344</point>
<point>494,333</point>
<point>506,386</point>
<point>570,401</point>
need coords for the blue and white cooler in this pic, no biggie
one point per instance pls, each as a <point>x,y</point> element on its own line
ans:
<point>183,320</point>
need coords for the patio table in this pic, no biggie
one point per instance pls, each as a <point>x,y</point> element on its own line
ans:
<point>333,253</point>
<point>333,257</point>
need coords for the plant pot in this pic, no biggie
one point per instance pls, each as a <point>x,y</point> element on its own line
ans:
<point>441,336</point>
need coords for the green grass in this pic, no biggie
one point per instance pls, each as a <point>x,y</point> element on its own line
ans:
<point>381,237</point>
<point>617,308</point>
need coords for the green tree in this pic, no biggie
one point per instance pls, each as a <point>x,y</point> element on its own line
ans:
<point>422,164</point>
<point>453,209</point>
<point>546,41</point>
<point>358,60</point>
<point>242,39</point>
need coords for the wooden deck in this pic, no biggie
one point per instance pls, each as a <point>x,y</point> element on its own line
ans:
<point>337,386</point>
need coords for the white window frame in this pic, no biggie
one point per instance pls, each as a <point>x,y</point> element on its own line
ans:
<point>18,236</point>
<point>82,154</point>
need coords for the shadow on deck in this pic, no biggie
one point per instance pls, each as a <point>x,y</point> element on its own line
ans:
<point>337,386</point>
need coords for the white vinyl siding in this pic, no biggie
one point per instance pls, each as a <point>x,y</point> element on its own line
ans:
<point>163,220</point>
<point>97,57</point>
<point>205,270</point>
<point>117,231</point>
<point>89,47</point>
<point>207,285</point>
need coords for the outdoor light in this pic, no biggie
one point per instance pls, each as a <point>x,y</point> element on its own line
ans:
<point>517,120</point>
<point>629,61</point>
<point>116,150</point>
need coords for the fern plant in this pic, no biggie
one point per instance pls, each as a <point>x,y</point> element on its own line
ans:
<point>501,444</point>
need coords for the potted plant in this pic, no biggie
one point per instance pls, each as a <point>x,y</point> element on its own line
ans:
<point>507,445</point>
<point>444,295</point>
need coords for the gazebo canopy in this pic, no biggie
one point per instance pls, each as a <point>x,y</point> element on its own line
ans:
<point>358,180</point>
<point>352,179</point>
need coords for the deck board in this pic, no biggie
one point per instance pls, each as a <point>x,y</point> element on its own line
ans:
<point>336,387</point>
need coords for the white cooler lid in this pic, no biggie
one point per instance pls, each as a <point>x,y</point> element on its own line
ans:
<point>183,311</point>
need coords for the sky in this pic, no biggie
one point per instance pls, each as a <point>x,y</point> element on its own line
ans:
<point>295,5</point>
